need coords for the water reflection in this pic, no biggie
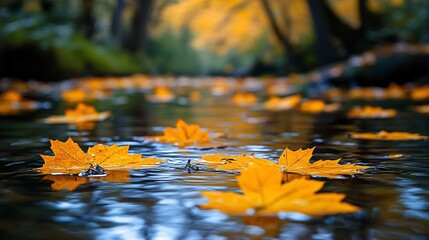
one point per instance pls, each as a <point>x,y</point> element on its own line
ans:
<point>161,203</point>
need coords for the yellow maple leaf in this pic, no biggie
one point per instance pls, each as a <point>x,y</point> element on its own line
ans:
<point>82,113</point>
<point>371,112</point>
<point>231,162</point>
<point>74,95</point>
<point>161,95</point>
<point>317,106</point>
<point>279,104</point>
<point>70,183</point>
<point>299,162</point>
<point>388,136</point>
<point>265,194</point>
<point>69,158</point>
<point>184,134</point>
<point>244,99</point>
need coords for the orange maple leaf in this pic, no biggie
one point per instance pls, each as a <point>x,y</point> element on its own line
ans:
<point>82,113</point>
<point>69,158</point>
<point>184,134</point>
<point>388,136</point>
<point>265,194</point>
<point>371,112</point>
<point>279,104</point>
<point>232,162</point>
<point>299,162</point>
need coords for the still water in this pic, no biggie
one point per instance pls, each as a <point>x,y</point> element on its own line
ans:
<point>161,202</point>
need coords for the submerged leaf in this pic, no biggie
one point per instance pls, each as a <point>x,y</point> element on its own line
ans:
<point>69,158</point>
<point>388,136</point>
<point>265,194</point>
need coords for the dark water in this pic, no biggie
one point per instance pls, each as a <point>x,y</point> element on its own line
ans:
<point>160,203</point>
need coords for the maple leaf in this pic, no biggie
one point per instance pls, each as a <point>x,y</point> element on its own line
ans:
<point>184,134</point>
<point>265,194</point>
<point>231,162</point>
<point>82,113</point>
<point>388,136</point>
<point>69,158</point>
<point>161,95</point>
<point>317,106</point>
<point>244,99</point>
<point>371,112</point>
<point>299,162</point>
<point>70,183</point>
<point>286,103</point>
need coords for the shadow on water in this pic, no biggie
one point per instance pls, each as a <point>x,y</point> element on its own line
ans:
<point>161,203</point>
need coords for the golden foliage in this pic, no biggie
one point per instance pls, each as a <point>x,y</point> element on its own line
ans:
<point>299,162</point>
<point>265,194</point>
<point>184,134</point>
<point>12,102</point>
<point>371,112</point>
<point>389,136</point>
<point>231,162</point>
<point>82,113</point>
<point>279,104</point>
<point>69,158</point>
<point>161,95</point>
<point>244,99</point>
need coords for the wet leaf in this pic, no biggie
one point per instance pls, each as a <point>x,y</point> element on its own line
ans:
<point>11,102</point>
<point>299,162</point>
<point>265,194</point>
<point>161,95</point>
<point>279,104</point>
<point>74,95</point>
<point>184,135</point>
<point>69,158</point>
<point>422,109</point>
<point>317,106</point>
<point>389,136</point>
<point>70,183</point>
<point>244,99</point>
<point>82,113</point>
<point>371,112</point>
<point>233,163</point>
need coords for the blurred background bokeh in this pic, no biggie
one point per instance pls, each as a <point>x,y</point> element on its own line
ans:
<point>47,40</point>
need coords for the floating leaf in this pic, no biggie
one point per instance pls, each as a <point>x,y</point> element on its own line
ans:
<point>161,95</point>
<point>420,93</point>
<point>231,162</point>
<point>74,95</point>
<point>82,113</point>
<point>317,106</point>
<point>279,104</point>
<point>70,183</point>
<point>422,109</point>
<point>69,158</point>
<point>244,99</point>
<point>371,112</point>
<point>389,136</point>
<point>265,194</point>
<point>11,102</point>
<point>299,162</point>
<point>184,135</point>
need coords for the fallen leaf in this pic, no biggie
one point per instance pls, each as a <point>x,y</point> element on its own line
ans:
<point>161,95</point>
<point>69,158</point>
<point>265,194</point>
<point>392,156</point>
<point>371,112</point>
<point>244,99</point>
<point>299,162</point>
<point>70,183</point>
<point>317,106</point>
<point>82,113</point>
<point>421,109</point>
<point>183,135</point>
<point>389,136</point>
<point>279,104</point>
<point>11,102</point>
<point>74,95</point>
<point>420,93</point>
<point>233,163</point>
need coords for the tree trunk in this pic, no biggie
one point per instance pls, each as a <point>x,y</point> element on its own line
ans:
<point>290,53</point>
<point>139,25</point>
<point>326,50</point>
<point>87,20</point>
<point>116,24</point>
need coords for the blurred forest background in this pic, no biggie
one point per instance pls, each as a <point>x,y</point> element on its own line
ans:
<point>53,40</point>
